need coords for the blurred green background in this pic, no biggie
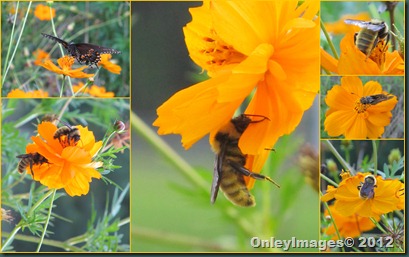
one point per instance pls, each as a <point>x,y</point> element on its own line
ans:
<point>169,213</point>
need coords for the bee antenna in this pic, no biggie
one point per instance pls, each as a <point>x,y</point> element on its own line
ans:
<point>272,181</point>
<point>257,115</point>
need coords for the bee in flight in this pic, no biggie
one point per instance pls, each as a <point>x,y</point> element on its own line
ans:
<point>375,99</point>
<point>366,189</point>
<point>371,33</point>
<point>72,134</point>
<point>230,161</point>
<point>30,159</point>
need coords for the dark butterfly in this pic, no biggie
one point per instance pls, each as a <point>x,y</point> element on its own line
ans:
<point>84,53</point>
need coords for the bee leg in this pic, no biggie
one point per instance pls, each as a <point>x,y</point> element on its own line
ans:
<point>248,173</point>
<point>31,167</point>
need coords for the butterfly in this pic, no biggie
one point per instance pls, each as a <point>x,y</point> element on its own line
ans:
<point>84,53</point>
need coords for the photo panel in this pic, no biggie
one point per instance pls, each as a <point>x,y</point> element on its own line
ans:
<point>360,107</point>
<point>363,195</point>
<point>65,175</point>
<point>195,84</point>
<point>58,49</point>
<point>362,38</point>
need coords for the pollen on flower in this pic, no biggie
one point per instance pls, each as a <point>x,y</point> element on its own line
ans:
<point>360,107</point>
<point>220,53</point>
<point>378,54</point>
<point>66,61</point>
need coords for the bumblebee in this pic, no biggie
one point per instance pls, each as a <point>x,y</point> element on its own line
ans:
<point>72,134</point>
<point>366,189</point>
<point>375,99</point>
<point>230,161</point>
<point>371,33</point>
<point>30,159</point>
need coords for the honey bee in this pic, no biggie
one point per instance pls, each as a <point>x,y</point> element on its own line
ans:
<point>30,159</point>
<point>72,134</point>
<point>370,34</point>
<point>229,163</point>
<point>375,99</point>
<point>366,189</point>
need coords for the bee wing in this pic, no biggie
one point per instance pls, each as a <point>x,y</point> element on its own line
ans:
<point>217,173</point>
<point>365,24</point>
<point>22,156</point>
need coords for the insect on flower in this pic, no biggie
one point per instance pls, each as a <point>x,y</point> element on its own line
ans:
<point>84,53</point>
<point>230,161</point>
<point>370,34</point>
<point>375,99</point>
<point>366,189</point>
<point>72,134</point>
<point>30,159</point>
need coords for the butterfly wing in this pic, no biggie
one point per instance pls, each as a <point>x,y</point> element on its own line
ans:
<point>84,48</point>
<point>56,39</point>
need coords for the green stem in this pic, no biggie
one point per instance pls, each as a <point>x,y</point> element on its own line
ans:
<point>62,86</point>
<point>19,226</point>
<point>179,239</point>
<point>333,222</point>
<point>328,180</point>
<point>50,3</point>
<point>11,39</point>
<point>54,243</point>
<point>375,157</point>
<point>188,171</point>
<point>105,142</point>
<point>379,225</point>
<point>327,36</point>
<point>17,43</point>
<point>10,237</point>
<point>47,221</point>
<point>339,157</point>
<point>39,202</point>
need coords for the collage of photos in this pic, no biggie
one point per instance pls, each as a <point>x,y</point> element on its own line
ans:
<point>203,126</point>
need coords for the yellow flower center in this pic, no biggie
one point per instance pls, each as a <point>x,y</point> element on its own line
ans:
<point>220,53</point>
<point>379,52</point>
<point>66,62</point>
<point>360,107</point>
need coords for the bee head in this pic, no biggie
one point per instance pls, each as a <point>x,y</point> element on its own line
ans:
<point>370,179</point>
<point>242,121</point>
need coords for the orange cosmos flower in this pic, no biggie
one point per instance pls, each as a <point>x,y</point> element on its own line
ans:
<point>43,12</point>
<point>70,164</point>
<point>40,56</point>
<point>94,90</point>
<point>348,116</point>
<point>66,63</point>
<point>387,196</point>
<point>348,226</point>
<point>98,91</point>
<point>18,93</point>
<point>270,46</point>
<point>353,62</point>
<point>108,65</point>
